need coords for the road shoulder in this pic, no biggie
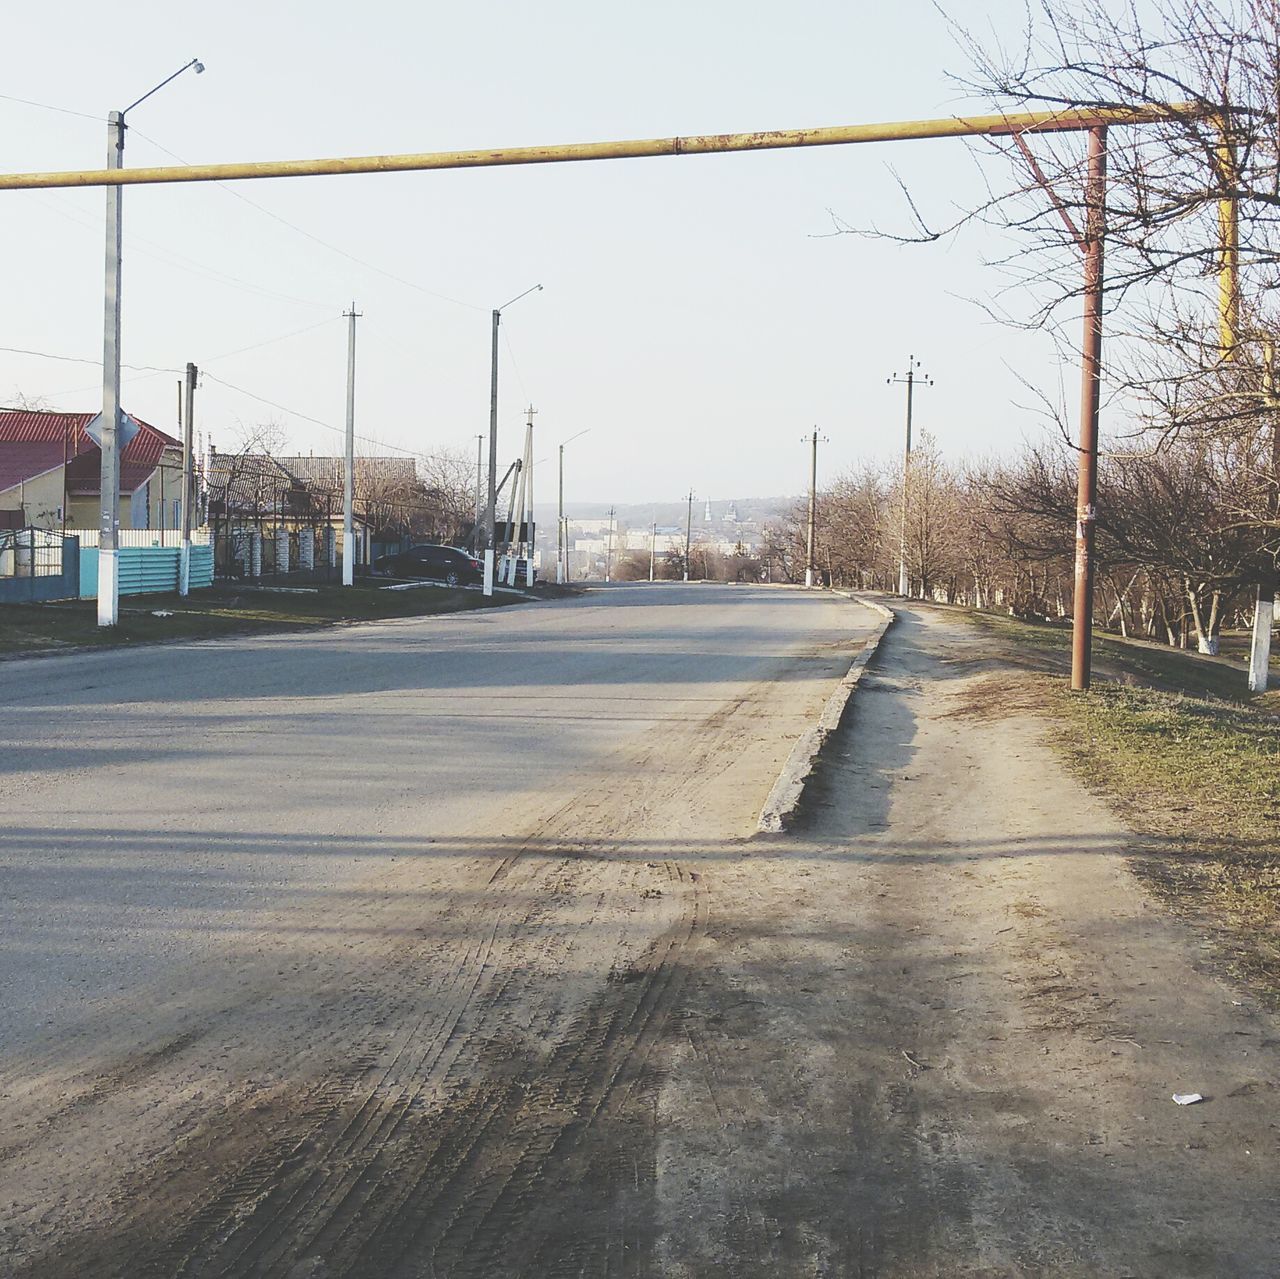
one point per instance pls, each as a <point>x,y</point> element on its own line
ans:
<point>938,1030</point>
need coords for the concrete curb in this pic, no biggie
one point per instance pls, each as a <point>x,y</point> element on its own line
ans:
<point>785,796</point>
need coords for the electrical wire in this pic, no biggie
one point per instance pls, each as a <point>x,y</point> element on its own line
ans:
<point>170,257</point>
<point>75,359</point>
<point>333,248</point>
<point>283,337</point>
<point>524,392</point>
<point>306,417</point>
<point>152,370</point>
<point>45,106</point>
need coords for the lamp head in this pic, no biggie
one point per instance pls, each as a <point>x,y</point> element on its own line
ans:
<point>199,66</point>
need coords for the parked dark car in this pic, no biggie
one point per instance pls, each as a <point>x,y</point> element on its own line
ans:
<point>437,563</point>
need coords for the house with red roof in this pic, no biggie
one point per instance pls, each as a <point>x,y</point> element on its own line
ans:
<point>51,473</point>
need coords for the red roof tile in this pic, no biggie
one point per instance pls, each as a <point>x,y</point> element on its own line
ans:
<point>27,459</point>
<point>23,431</point>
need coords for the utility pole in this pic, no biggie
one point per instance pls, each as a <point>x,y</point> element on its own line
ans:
<point>349,462</point>
<point>188,416</point>
<point>109,485</point>
<point>608,553</point>
<point>562,542</point>
<point>491,510</point>
<point>109,439</point>
<point>904,577</point>
<point>813,509</point>
<point>530,529</point>
<point>524,483</point>
<point>653,539</point>
<point>562,525</point>
<point>477,536</point>
<point>1265,607</point>
<point>688,535</point>
<point>1090,395</point>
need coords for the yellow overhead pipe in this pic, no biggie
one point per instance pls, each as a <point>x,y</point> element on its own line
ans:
<point>697,144</point>
<point>1229,241</point>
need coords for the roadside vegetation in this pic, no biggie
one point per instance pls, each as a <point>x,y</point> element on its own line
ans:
<point>1190,763</point>
<point>226,609</point>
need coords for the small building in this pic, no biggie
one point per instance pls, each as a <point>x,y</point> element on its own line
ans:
<point>51,473</point>
<point>265,519</point>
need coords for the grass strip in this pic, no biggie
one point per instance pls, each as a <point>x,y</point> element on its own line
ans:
<point>27,629</point>
<point>1191,762</point>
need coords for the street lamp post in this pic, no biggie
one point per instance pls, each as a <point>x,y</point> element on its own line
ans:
<point>562,531</point>
<point>491,508</point>
<point>608,554</point>
<point>109,426</point>
<point>688,535</point>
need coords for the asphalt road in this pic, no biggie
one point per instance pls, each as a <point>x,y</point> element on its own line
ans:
<point>349,952</point>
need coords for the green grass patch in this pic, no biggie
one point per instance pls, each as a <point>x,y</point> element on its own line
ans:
<point>1200,779</point>
<point>1191,761</point>
<point>222,610</point>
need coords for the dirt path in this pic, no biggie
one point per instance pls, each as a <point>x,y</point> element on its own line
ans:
<point>935,1032</point>
<point>938,1034</point>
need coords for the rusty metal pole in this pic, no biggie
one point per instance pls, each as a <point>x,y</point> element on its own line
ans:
<point>1090,389</point>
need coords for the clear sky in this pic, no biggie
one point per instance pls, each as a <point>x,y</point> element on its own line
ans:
<point>696,316</point>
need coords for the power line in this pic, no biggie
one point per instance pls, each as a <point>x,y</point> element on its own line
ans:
<point>75,359</point>
<point>306,417</point>
<point>171,258</point>
<point>45,106</point>
<point>333,248</point>
<point>283,337</point>
<point>153,369</point>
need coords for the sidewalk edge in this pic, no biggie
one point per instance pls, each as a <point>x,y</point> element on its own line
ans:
<point>784,798</point>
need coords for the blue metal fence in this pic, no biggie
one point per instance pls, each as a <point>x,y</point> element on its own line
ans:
<point>147,569</point>
<point>36,564</point>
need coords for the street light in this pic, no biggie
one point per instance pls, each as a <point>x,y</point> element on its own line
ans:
<point>109,440</point>
<point>562,533</point>
<point>491,512</point>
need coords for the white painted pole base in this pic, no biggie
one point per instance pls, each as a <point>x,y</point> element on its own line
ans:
<point>108,587</point>
<point>528,573</point>
<point>488,571</point>
<point>184,567</point>
<point>808,577</point>
<point>1260,651</point>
